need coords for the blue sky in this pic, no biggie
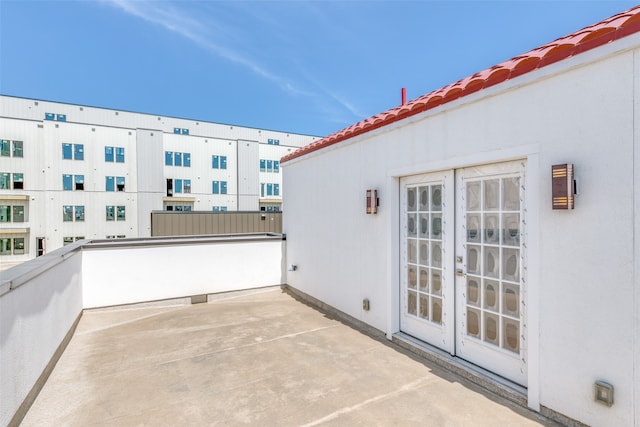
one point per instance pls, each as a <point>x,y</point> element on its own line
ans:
<point>296,66</point>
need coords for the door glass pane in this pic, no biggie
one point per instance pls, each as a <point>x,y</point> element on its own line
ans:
<point>412,251</point>
<point>491,322</point>
<point>424,198</point>
<point>424,248</point>
<point>491,295</point>
<point>492,221</point>
<point>473,291</point>
<point>511,264</point>
<point>473,196</point>
<point>511,194</point>
<point>473,228</point>
<point>511,229</point>
<point>423,229</point>
<point>491,229</point>
<point>412,227</point>
<point>491,194</point>
<point>436,197</point>
<point>511,335</point>
<point>411,199</point>
<point>424,306</point>
<point>412,302</point>
<point>412,276</point>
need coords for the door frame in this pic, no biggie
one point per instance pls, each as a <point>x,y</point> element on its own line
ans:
<point>533,181</point>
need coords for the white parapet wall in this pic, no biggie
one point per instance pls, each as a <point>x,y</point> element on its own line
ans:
<point>39,305</point>
<point>41,300</point>
<point>118,273</point>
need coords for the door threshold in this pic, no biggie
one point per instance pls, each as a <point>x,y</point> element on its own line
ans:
<point>477,375</point>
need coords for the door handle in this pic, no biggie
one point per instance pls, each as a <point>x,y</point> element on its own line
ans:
<point>459,272</point>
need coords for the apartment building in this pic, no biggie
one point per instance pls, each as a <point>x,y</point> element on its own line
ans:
<point>69,172</point>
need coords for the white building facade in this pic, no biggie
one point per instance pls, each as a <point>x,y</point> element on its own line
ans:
<point>466,255</point>
<point>69,172</point>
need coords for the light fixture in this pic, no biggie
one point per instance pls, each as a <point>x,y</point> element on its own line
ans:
<point>563,186</point>
<point>372,201</point>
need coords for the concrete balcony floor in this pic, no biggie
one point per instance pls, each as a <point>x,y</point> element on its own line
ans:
<point>258,358</point>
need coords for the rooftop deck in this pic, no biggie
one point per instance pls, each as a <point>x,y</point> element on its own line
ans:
<point>251,358</point>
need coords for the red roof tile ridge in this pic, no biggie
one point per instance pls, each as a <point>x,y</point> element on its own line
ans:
<point>615,27</point>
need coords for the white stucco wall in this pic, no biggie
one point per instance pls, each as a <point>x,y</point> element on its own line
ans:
<point>124,275</point>
<point>582,307</point>
<point>34,319</point>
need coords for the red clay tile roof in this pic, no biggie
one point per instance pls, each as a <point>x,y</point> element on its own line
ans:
<point>614,28</point>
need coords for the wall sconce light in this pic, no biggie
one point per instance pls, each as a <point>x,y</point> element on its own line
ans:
<point>563,186</point>
<point>372,201</point>
<point>604,393</point>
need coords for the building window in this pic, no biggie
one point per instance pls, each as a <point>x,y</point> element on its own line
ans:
<point>18,181</point>
<point>78,152</point>
<point>5,213</point>
<point>5,145</point>
<point>79,213</point>
<point>219,187</point>
<point>4,148</point>
<point>4,181</point>
<point>177,185</point>
<point>73,151</point>
<point>179,131</point>
<point>120,213</point>
<point>18,246</point>
<point>18,149</point>
<point>108,154</point>
<point>73,213</point>
<point>269,189</point>
<point>17,243</point>
<point>187,186</point>
<point>119,154</point>
<point>273,142</point>
<point>269,166</point>
<point>172,158</point>
<point>18,213</point>
<point>68,240</point>
<point>276,189</point>
<point>71,182</point>
<point>114,183</point>
<point>262,189</point>
<point>6,210</point>
<point>67,182</point>
<point>67,151</point>
<point>218,162</point>
<point>219,208</point>
<point>49,116</point>
<point>67,213</point>
<point>110,213</point>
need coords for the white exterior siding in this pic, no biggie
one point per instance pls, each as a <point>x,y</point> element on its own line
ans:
<point>145,138</point>
<point>582,317</point>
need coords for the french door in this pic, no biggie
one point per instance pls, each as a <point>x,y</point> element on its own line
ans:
<point>463,258</point>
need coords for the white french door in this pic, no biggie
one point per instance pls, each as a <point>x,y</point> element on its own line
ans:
<point>427,283</point>
<point>463,276</point>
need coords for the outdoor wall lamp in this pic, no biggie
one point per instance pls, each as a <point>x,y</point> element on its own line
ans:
<point>563,186</point>
<point>372,201</point>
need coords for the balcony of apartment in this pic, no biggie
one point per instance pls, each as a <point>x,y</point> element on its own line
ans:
<point>204,331</point>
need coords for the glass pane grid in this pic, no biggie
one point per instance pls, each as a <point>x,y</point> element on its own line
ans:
<point>492,221</point>
<point>424,252</point>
